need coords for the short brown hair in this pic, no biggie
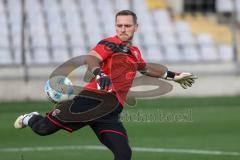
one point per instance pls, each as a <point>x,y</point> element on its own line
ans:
<point>127,13</point>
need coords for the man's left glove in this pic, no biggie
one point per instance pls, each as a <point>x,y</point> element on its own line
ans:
<point>103,81</point>
<point>184,79</point>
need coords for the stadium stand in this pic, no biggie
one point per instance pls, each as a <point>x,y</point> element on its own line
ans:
<point>60,29</point>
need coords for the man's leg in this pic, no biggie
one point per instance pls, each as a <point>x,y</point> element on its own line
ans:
<point>42,125</point>
<point>115,138</point>
<point>118,144</point>
<point>39,124</point>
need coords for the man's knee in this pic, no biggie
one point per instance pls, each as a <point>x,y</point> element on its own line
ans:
<point>41,129</point>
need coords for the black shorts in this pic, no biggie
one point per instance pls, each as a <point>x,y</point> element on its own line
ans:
<point>108,123</point>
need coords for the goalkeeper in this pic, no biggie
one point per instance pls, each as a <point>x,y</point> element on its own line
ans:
<point>114,62</point>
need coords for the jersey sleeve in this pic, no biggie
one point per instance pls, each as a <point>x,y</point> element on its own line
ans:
<point>102,50</point>
<point>142,64</point>
<point>141,61</point>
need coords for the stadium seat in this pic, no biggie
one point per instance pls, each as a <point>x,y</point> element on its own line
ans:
<point>73,21</point>
<point>139,5</point>
<point>40,56</point>
<point>161,16</point>
<point>163,22</point>
<point>3,23</point>
<point>154,54</point>
<point>121,5</point>
<point>60,55</point>
<point>68,5</point>
<point>67,23</point>
<point>4,41</point>
<point>5,56</point>
<point>14,21</point>
<point>226,52</point>
<point>17,59</point>
<point>16,42</point>
<point>156,4</point>
<point>55,26</point>
<point>150,39</point>
<point>78,51</point>
<point>107,24</point>
<point>207,47</point>
<point>182,27</point>
<point>204,38</point>
<point>104,5</point>
<point>58,40</point>
<point>109,29</point>
<point>185,39</point>
<point>77,39</point>
<point>144,17</point>
<point>94,36</point>
<point>209,52</point>
<point>222,35</point>
<point>39,40</point>
<point>190,53</point>
<point>224,6</point>
<point>2,8</point>
<point>172,53</point>
<point>32,6</point>
<point>36,23</point>
<point>238,10</point>
<point>89,4</point>
<point>168,39</point>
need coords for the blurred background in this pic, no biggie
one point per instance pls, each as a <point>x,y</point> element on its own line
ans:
<point>199,36</point>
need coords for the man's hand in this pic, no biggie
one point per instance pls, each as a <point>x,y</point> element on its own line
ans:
<point>185,79</point>
<point>103,81</point>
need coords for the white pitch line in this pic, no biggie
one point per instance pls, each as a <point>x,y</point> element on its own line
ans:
<point>136,149</point>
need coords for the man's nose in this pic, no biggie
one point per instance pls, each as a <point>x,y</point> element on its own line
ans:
<point>123,29</point>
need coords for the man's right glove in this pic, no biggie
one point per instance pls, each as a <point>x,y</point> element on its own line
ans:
<point>103,81</point>
<point>184,79</point>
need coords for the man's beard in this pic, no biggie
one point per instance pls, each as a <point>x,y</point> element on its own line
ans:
<point>129,41</point>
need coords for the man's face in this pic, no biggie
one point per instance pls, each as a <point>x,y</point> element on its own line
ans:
<point>125,27</point>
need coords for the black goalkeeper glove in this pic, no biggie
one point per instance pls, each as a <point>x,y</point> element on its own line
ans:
<point>103,81</point>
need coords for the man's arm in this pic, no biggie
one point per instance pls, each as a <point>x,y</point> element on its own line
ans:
<point>159,71</point>
<point>93,59</point>
<point>154,70</point>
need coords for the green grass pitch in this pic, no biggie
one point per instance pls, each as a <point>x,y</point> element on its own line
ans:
<point>175,124</point>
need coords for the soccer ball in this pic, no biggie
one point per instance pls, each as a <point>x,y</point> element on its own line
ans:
<point>59,89</point>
